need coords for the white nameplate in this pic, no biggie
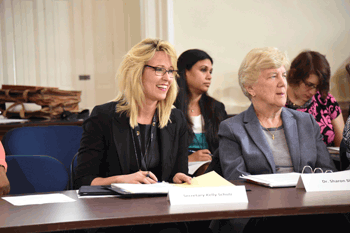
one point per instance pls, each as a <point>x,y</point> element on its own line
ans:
<point>336,181</point>
<point>207,195</point>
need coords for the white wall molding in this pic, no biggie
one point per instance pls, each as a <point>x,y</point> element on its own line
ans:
<point>157,20</point>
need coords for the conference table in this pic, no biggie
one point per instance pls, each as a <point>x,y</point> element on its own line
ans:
<point>87,213</point>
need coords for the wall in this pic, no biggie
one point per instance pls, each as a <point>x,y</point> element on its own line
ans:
<point>228,30</point>
<point>52,42</point>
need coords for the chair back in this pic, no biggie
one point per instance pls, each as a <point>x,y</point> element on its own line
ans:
<point>36,173</point>
<point>344,160</point>
<point>59,141</point>
<point>72,171</point>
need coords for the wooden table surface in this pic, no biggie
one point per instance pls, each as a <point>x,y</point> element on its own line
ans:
<point>113,211</point>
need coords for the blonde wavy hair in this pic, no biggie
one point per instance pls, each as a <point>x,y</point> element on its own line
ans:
<point>255,61</point>
<point>131,91</point>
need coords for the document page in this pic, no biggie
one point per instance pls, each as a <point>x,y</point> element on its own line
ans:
<point>210,179</point>
<point>156,188</point>
<point>38,199</point>
<point>274,180</point>
<point>194,166</point>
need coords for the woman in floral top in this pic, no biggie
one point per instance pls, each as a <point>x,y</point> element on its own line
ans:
<point>308,80</point>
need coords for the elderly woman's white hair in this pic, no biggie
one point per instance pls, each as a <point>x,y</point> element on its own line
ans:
<point>256,60</point>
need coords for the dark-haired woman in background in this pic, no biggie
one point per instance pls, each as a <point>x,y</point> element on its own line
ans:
<point>203,113</point>
<point>308,86</point>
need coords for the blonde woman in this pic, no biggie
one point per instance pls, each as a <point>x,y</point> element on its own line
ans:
<point>138,137</point>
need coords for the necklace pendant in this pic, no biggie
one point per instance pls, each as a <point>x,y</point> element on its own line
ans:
<point>192,110</point>
<point>273,137</point>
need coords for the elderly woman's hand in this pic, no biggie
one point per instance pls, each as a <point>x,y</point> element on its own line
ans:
<point>4,182</point>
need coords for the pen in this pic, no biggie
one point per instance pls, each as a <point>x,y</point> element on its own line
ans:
<point>192,151</point>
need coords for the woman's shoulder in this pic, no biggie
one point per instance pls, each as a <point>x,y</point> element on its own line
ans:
<point>235,120</point>
<point>299,116</point>
<point>104,109</point>
<point>216,102</point>
<point>329,100</point>
<point>177,115</point>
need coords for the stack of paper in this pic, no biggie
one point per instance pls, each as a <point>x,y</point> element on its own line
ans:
<point>194,166</point>
<point>210,179</point>
<point>274,180</point>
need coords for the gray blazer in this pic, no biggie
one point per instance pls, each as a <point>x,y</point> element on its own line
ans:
<point>244,150</point>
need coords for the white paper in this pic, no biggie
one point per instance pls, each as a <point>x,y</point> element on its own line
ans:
<point>336,181</point>
<point>161,187</point>
<point>27,107</point>
<point>193,166</point>
<point>38,199</point>
<point>207,195</point>
<point>4,120</point>
<point>275,180</point>
<point>333,148</point>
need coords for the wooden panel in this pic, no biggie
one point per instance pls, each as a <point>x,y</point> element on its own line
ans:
<point>8,44</point>
<point>19,52</point>
<point>28,21</point>
<point>2,19</point>
<point>88,29</point>
<point>62,26</point>
<point>50,43</point>
<point>78,40</point>
<point>41,43</point>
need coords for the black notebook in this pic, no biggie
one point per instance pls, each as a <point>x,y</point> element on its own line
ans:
<point>96,190</point>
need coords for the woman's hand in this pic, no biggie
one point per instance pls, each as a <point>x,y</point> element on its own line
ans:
<point>4,182</point>
<point>140,177</point>
<point>180,178</point>
<point>200,155</point>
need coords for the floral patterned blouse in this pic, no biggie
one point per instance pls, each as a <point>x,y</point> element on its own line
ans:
<point>324,112</point>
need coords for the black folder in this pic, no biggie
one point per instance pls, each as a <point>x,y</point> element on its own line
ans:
<point>96,190</point>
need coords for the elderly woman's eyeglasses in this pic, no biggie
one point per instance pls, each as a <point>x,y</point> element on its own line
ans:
<point>310,85</point>
<point>160,71</point>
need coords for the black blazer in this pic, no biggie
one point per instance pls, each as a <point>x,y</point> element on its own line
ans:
<point>106,147</point>
<point>219,109</point>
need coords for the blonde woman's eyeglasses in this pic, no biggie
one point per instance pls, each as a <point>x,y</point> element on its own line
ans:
<point>160,71</point>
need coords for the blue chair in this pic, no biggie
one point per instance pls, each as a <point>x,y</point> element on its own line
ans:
<point>73,165</point>
<point>36,173</point>
<point>59,141</point>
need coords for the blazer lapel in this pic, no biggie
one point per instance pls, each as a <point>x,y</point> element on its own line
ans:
<point>121,135</point>
<point>292,138</point>
<point>253,128</point>
<point>166,138</point>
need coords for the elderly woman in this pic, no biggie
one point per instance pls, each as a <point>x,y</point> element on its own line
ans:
<point>268,138</point>
<point>308,86</point>
<point>138,137</point>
